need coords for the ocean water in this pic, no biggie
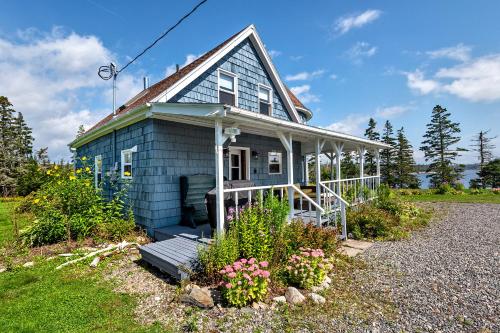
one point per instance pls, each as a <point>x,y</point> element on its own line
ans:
<point>467,176</point>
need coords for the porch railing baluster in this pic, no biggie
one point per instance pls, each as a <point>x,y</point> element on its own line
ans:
<point>237,211</point>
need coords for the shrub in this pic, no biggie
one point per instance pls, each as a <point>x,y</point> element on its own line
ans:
<point>368,221</point>
<point>476,191</point>
<point>459,187</point>
<point>297,234</point>
<point>244,281</point>
<point>220,253</point>
<point>308,268</point>
<point>444,189</point>
<point>68,206</point>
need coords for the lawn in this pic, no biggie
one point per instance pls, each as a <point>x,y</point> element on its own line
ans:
<point>73,299</point>
<point>466,197</point>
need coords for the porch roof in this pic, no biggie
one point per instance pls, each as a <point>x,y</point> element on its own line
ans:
<point>204,114</point>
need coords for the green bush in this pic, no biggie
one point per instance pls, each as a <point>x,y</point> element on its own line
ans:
<point>223,251</point>
<point>68,206</point>
<point>459,187</point>
<point>298,235</point>
<point>308,268</point>
<point>445,189</point>
<point>244,282</point>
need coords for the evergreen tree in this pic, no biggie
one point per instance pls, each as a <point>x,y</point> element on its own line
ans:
<point>404,164</point>
<point>387,156</point>
<point>81,131</point>
<point>370,161</point>
<point>438,148</point>
<point>490,174</point>
<point>483,146</point>
<point>348,168</point>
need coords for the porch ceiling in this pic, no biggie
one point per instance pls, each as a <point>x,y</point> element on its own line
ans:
<point>254,123</point>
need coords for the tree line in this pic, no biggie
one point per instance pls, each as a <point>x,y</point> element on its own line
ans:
<point>439,145</point>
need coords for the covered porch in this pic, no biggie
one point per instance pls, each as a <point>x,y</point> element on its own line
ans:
<point>323,203</point>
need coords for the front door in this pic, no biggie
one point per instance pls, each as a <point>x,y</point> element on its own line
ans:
<point>235,167</point>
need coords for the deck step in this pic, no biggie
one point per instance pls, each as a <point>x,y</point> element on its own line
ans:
<point>175,256</point>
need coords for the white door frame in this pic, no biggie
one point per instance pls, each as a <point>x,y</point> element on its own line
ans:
<point>237,150</point>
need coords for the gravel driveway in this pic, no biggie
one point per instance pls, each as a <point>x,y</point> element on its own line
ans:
<point>447,276</point>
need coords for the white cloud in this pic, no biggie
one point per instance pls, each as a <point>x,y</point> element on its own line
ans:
<point>303,92</point>
<point>334,76</point>
<point>52,80</point>
<point>418,83</point>
<point>346,23</point>
<point>476,80</point>
<point>305,76</point>
<point>274,53</point>
<point>296,58</point>
<point>353,124</point>
<point>392,111</point>
<point>189,59</point>
<point>360,51</point>
<point>458,52</point>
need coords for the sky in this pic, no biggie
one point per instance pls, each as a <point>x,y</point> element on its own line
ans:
<point>346,60</point>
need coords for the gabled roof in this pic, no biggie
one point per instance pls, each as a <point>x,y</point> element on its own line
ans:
<point>166,88</point>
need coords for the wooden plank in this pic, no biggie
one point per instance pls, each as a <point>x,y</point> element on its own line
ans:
<point>164,266</point>
<point>162,256</point>
<point>182,256</point>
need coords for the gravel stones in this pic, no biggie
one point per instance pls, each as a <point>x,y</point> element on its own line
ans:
<point>446,277</point>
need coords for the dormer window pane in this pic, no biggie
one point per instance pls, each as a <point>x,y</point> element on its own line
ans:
<point>264,94</point>
<point>264,100</point>
<point>226,82</point>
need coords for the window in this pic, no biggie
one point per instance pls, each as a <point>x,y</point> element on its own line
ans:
<point>274,162</point>
<point>228,86</point>
<point>265,104</point>
<point>127,171</point>
<point>98,170</point>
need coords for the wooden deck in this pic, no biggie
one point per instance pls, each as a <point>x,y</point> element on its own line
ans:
<point>176,250</point>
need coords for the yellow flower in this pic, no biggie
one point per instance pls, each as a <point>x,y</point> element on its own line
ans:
<point>126,174</point>
<point>78,170</point>
<point>87,184</point>
<point>36,201</point>
<point>71,177</point>
<point>84,158</point>
<point>87,169</point>
<point>56,167</point>
<point>59,182</point>
<point>48,172</point>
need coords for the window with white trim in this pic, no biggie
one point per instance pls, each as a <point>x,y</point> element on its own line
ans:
<point>274,163</point>
<point>228,86</point>
<point>265,100</point>
<point>127,170</point>
<point>98,170</point>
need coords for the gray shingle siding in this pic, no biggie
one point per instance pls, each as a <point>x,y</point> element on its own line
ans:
<point>167,150</point>
<point>243,61</point>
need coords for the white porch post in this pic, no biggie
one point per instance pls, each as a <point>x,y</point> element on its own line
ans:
<point>361,152</point>
<point>219,175</point>
<point>287,142</point>
<point>377,158</point>
<point>319,147</point>
<point>306,170</point>
<point>338,147</point>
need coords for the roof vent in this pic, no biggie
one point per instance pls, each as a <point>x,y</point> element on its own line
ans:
<point>145,81</point>
<point>176,68</point>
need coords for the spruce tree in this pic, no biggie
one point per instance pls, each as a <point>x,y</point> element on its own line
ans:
<point>387,155</point>
<point>348,168</point>
<point>438,147</point>
<point>81,131</point>
<point>370,161</point>
<point>404,164</point>
<point>483,146</point>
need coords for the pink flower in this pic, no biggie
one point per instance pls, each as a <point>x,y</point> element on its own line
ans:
<point>223,271</point>
<point>265,274</point>
<point>232,275</point>
<point>243,261</point>
<point>264,264</point>
<point>252,261</point>
<point>246,276</point>
<point>251,283</point>
<point>251,268</point>
<point>229,285</point>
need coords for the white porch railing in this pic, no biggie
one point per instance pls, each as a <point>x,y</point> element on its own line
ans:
<point>281,187</point>
<point>354,190</point>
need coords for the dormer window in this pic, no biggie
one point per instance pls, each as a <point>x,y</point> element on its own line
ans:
<point>228,83</point>
<point>265,103</point>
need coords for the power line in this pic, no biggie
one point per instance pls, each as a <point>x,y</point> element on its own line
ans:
<point>163,35</point>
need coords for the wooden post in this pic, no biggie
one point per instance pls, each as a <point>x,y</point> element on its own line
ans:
<point>319,147</point>
<point>287,142</point>
<point>219,176</point>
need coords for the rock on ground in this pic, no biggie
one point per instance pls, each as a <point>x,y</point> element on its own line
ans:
<point>293,296</point>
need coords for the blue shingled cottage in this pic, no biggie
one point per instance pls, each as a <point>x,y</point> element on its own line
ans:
<point>224,124</point>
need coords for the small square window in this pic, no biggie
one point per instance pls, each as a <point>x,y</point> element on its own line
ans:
<point>127,171</point>
<point>274,163</point>
<point>98,170</point>
<point>265,100</point>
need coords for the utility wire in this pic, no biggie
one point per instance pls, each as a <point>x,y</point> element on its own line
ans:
<point>163,35</point>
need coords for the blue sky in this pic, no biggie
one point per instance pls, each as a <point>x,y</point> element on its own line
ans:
<point>347,61</point>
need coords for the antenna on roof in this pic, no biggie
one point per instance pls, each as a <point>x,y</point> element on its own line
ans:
<point>110,71</point>
<point>107,72</point>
